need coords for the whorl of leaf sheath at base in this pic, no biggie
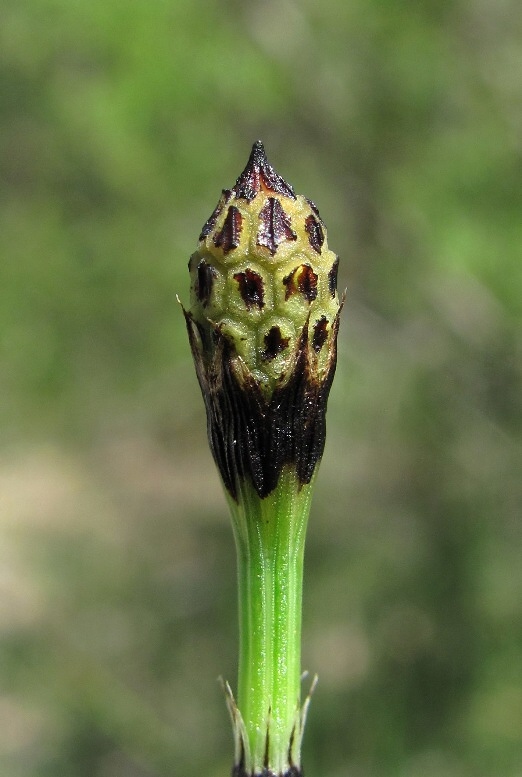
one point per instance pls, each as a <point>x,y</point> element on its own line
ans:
<point>239,771</point>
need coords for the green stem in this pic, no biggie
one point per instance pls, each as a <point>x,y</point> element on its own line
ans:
<point>270,538</point>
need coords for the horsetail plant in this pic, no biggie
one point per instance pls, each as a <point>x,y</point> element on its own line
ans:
<point>262,326</point>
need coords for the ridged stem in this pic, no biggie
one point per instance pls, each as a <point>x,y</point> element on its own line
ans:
<point>270,539</point>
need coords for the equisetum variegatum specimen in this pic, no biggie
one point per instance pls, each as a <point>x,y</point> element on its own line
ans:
<point>262,324</point>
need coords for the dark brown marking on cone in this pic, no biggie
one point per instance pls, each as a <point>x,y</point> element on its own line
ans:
<point>301,280</point>
<point>204,282</point>
<point>275,343</point>
<point>274,227</point>
<point>258,175</point>
<point>315,233</point>
<point>210,223</point>
<point>251,288</point>
<point>332,278</point>
<point>228,237</point>
<point>320,333</point>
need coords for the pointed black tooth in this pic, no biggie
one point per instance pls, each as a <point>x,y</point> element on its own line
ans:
<point>258,154</point>
<point>259,174</point>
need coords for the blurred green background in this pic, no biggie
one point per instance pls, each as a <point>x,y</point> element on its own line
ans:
<point>120,123</point>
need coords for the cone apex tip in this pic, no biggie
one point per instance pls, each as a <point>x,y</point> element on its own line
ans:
<point>258,147</point>
<point>258,155</point>
<point>259,174</point>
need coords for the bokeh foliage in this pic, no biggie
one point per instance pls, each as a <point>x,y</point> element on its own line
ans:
<point>120,122</point>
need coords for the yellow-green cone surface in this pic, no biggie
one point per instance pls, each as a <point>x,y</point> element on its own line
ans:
<point>263,324</point>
